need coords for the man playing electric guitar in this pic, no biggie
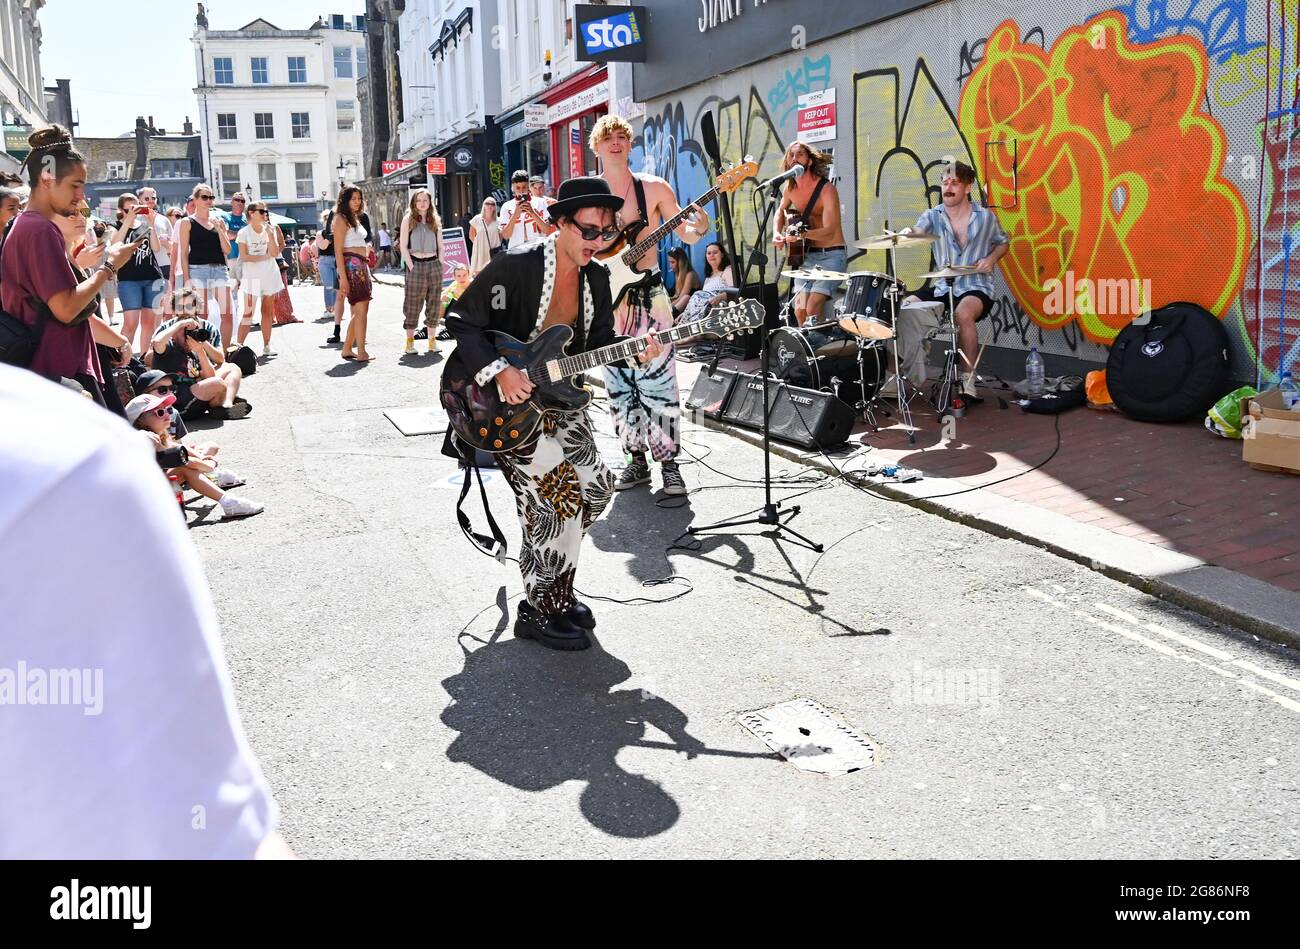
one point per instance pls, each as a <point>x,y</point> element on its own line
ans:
<point>645,402</point>
<point>814,202</point>
<point>560,483</point>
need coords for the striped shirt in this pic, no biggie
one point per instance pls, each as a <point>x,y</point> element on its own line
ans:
<point>983,232</point>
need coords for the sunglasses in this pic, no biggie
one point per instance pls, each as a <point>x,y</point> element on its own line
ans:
<point>207,197</point>
<point>162,413</point>
<point>596,233</point>
<point>162,390</point>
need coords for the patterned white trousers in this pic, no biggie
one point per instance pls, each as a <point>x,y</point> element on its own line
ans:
<point>561,486</point>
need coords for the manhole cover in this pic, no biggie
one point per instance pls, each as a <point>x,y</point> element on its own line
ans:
<point>811,738</point>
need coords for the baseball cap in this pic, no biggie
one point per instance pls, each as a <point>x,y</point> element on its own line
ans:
<point>150,378</point>
<point>147,403</point>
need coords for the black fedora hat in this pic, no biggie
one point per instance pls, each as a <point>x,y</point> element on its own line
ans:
<point>578,193</point>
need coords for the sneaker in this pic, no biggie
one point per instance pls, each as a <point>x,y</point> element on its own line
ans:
<point>673,483</point>
<point>422,332</point>
<point>410,348</point>
<point>233,508</point>
<point>968,385</point>
<point>237,411</point>
<point>225,479</point>
<point>638,472</point>
<point>268,351</point>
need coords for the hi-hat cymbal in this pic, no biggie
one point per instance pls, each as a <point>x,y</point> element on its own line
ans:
<point>890,239</point>
<point>815,273</point>
<point>960,270</point>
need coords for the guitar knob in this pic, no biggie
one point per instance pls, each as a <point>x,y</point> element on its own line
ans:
<point>483,433</point>
<point>514,433</point>
<point>498,421</point>
<point>497,443</point>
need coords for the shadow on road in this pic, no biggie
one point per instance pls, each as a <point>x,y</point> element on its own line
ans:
<point>533,719</point>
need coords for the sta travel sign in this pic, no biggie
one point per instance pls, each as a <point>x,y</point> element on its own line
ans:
<point>608,34</point>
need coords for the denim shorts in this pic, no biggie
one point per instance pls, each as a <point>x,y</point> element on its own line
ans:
<point>140,294</point>
<point>210,276</point>
<point>826,260</point>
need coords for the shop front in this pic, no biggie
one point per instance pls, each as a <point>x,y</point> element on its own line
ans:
<point>461,173</point>
<point>549,135</point>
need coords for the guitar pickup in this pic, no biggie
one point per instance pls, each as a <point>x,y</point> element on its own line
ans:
<point>553,370</point>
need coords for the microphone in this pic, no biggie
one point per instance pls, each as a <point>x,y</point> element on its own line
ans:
<point>794,173</point>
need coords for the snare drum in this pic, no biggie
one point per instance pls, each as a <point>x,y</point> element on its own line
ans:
<point>869,305</point>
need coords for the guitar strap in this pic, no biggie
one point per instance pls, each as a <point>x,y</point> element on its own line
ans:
<point>812,202</point>
<point>481,541</point>
<point>640,200</point>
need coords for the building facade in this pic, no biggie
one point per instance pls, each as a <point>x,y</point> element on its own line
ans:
<point>22,89</point>
<point>170,164</point>
<point>58,105</point>
<point>380,93</point>
<point>278,110</point>
<point>1121,149</point>
<point>450,97</point>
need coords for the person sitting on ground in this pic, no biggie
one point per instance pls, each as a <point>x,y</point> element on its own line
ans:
<point>152,415</point>
<point>205,382</point>
<point>459,284</point>
<point>156,382</point>
<point>718,279</point>
<point>685,280</point>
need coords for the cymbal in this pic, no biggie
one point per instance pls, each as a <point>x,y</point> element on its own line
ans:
<point>815,273</point>
<point>961,270</point>
<point>890,239</point>
<point>867,329</point>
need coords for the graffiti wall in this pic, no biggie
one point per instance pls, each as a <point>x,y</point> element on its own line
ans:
<point>1137,154</point>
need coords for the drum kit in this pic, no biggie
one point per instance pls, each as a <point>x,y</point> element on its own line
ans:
<point>847,355</point>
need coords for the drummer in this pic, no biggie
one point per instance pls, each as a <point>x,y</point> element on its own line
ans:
<point>813,201</point>
<point>968,235</point>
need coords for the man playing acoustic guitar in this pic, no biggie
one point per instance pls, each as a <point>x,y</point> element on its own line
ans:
<point>560,482</point>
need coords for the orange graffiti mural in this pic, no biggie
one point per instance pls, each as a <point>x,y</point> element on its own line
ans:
<point>1120,172</point>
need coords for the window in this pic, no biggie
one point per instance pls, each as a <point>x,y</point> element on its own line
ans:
<point>298,69</point>
<point>263,125</point>
<point>342,62</point>
<point>513,31</point>
<point>227,129</point>
<point>301,124</point>
<point>338,21</point>
<point>303,182</point>
<point>261,75</point>
<point>268,188</point>
<point>363,62</point>
<point>223,71</point>
<point>229,181</point>
<point>117,171</point>
<point>347,115</point>
<point>361,24</point>
<point>537,32</point>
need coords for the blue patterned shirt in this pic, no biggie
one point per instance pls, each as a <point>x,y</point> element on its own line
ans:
<point>982,234</point>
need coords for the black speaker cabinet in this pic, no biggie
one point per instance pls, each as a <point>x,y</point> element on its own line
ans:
<point>711,392</point>
<point>808,418</point>
<point>765,294</point>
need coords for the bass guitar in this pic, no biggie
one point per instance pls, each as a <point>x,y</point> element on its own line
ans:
<point>482,419</point>
<point>622,256</point>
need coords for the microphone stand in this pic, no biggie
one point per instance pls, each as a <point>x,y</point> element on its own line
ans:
<point>772,514</point>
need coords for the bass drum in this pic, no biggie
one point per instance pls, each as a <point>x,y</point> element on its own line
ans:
<point>810,359</point>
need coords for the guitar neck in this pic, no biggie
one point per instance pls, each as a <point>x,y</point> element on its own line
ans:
<point>651,241</point>
<point>575,365</point>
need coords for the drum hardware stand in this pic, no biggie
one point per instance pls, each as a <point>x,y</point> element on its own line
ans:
<point>771,515</point>
<point>904,400</point>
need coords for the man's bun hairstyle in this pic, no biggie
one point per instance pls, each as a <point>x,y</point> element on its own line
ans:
<point>51,150</point>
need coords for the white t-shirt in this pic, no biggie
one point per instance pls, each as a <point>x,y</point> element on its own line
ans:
<point>525,230</point>
<point>258,244</point>
<point>384,239</point>
<point>147,758</point>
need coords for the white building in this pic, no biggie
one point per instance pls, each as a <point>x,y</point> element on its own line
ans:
<point>278,110</point>
<point>22,90</point>
<point>450,93</point>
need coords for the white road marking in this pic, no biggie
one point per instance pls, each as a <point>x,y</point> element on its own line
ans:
<point>1167,633</point>
<point>1127,634</point>
<point>1266,674</point>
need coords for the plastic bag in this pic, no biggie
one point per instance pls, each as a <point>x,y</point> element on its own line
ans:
<point>1098,393</point>
<point>1224,417</point>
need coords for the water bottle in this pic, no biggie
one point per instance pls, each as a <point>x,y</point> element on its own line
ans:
<point>1290,393</point>
<point>1034,378</point>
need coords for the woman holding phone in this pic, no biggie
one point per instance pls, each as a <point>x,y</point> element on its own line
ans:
<point>140,280</point>
<point>202,245</point>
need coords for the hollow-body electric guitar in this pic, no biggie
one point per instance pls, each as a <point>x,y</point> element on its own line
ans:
<point>483,420</point>
<point>622,256</point>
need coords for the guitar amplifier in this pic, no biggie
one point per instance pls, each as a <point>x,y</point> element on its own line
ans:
<point>764,293</point>
<point>808,418</point>
<point>712,392</point>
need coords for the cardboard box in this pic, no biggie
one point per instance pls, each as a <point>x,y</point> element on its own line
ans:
<point>1272,441</point>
